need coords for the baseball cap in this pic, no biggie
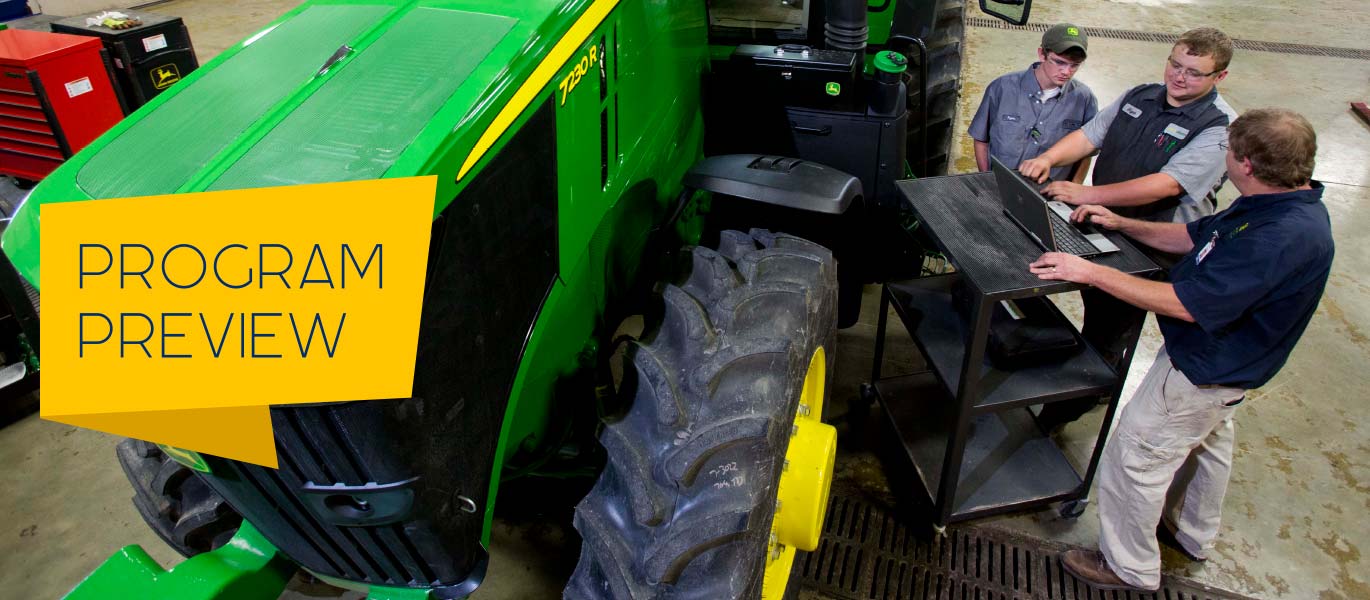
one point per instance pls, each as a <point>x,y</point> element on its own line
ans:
<point>1063,37</point>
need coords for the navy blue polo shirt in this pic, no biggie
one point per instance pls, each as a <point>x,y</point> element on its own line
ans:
<point>1251,283</point>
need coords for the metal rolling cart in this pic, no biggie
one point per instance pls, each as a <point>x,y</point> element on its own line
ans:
<point>965,423</point>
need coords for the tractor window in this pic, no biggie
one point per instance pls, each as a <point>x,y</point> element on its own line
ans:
<point>786,19</point>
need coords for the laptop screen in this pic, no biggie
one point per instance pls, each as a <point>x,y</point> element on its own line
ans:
<point>1021,200</point>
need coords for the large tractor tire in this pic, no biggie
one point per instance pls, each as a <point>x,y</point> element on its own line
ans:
<point>944,35</point>
<point>184,511</point>
<point>719,465</point>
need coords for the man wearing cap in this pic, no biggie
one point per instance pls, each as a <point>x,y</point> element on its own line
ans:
<point>1160,159</point>
<point>1237,303</point>
<point>1024,113</point>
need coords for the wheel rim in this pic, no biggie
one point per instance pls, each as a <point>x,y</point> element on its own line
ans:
<point>805,480</point>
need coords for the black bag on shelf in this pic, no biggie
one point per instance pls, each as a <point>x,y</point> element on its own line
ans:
<point>1041,336</point>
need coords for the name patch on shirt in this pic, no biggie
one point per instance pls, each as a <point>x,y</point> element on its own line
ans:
<point>1203,252</point>
<point>1176,131</point>
<point>1011,118</point>
<point>1132,111</point>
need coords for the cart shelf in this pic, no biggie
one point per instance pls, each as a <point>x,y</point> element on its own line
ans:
<point>926,308</point>
<point>1007,459</point>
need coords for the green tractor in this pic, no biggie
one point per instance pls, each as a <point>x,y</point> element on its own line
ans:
<point>602,300</point>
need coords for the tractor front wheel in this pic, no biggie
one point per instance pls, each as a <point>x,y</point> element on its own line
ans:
<point>719,466</point>
<point>184,511</point>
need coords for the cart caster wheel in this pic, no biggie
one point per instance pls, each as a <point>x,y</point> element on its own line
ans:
<point>867,393</point>
<point>939,531</point>
<point>860,408</point>
<point>1072,509</point>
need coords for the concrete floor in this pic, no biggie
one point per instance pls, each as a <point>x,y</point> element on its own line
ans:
<point>1294,526</point>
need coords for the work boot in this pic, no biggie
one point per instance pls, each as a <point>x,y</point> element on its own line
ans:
<point>1090,567</point>
<point>1167,537</point>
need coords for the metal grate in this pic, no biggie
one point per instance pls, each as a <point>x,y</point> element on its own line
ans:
<point>1170,38</point>
<point>867,553</point>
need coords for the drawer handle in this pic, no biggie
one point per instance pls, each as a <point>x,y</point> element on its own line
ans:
<point>824,130</point>
<point>14,75</point>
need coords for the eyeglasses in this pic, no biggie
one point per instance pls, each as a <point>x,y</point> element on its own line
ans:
<point>1188,73</point>
<point>1063,64</point>
<point>1223,146</point>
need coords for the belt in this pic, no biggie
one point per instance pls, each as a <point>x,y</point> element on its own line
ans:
<point>1215,386</point>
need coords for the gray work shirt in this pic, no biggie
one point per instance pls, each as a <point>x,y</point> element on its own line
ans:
<point>1012,110</point>
<point>1200,167</point>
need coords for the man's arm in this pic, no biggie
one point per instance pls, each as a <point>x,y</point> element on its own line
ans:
<point>1167,237</point>
<point>1071,148</point>
<point>1133,192</point>
<point>980,124</point>
<point>1154,296</point>
<point>1076,145</point>
<point>982,155</point>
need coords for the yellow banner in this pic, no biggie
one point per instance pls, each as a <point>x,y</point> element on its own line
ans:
<point>179,319</point>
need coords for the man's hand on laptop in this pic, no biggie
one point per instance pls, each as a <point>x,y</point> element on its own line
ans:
<point>1093,214</point>
<point>1068,192</point>
<point>1062,266</point>
<point>1035,169</point>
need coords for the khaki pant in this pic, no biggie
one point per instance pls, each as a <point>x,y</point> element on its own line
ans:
<point>1169,457</point>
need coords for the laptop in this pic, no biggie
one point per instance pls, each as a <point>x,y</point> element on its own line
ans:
<point>1046,222</point>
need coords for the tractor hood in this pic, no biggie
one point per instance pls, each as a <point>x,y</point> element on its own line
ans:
<point>335,94</point>
<point>330,92</point>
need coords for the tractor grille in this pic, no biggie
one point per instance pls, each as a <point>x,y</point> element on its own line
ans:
<point>312,449</point>
<point>866,553</point>
<point>33,297</point>
<point>383,555</point>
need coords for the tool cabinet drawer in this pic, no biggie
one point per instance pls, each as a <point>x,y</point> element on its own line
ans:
<point>27,166</point>
<point>9,98</point>
<point>30,126</point>
<point>15,80</point>
<point>26,137</point>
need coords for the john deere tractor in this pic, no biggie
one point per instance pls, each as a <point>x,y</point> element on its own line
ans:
<point>609,293</point>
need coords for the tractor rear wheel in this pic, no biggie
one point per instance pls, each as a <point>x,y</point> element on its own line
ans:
<point>719,465</point>
<point>944,35</point>
<point>184,511</point>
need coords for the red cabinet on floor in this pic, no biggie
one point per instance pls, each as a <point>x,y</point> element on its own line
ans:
<point>55,97</point>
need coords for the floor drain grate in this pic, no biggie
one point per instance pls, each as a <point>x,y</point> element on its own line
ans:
<point>866,553</point>
<point>1167,38</point>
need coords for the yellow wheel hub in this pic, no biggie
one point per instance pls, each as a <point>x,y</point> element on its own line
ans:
<point>802,499</point>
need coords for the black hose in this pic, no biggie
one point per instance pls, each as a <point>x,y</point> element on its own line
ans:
<point>924,103</point>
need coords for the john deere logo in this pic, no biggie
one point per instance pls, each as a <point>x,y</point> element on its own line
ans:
<point>165,75</point>
<point>189,458</point>
<point>834,88</point>
<point>1072,31</point>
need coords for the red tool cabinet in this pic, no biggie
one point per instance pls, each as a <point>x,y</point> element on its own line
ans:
<point>55,97</point>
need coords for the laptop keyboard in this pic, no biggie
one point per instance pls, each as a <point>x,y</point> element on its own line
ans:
<point>1068,238</point>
